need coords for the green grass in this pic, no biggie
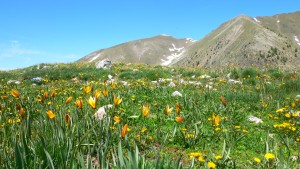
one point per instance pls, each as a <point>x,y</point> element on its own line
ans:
<point>33,140</point>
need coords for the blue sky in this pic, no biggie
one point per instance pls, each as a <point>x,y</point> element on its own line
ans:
<point>51,31</point>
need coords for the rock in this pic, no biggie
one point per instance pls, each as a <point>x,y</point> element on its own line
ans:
<point>176,93</point>
<point>105,64</point>
<point>45,67</point>
<point>101,111</point>
<point>172,84</point>
<point>13,82</point>
<point>181,81</point>
<point>209,87</point>
<point>228,75</point>
<point>124,83</point>
<point>231,81</point>
<point>110,77</point>
<point>205,76</point>
<point>255,119</point>
<point>37,79</point>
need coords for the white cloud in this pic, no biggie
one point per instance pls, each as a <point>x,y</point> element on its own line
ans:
<point>15,48</point>
<point>14,55</point>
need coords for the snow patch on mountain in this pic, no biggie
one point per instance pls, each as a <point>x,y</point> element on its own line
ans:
<point>297,40</point>
<point>177,52</point>
<point>190,39</point>
<point>164,35</point>
<point>95,57</point>
<point>256,20</point>
<point>174,49</point>
<point>278,21</point>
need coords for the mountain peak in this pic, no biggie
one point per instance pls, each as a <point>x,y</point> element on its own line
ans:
<point>243,17</point>
<point>245,41</point>
<point>156,50</point>
<point>242,41</point>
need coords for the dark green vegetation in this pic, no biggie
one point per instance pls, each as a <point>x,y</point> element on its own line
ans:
<point>40,127</point>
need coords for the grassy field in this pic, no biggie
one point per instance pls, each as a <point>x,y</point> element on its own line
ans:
<point>159,117</point>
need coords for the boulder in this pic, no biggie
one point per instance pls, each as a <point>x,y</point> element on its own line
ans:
<point>105,64</point>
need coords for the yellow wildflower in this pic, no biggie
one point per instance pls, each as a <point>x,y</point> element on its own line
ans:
<point>50,114</point>
<point>279,110</point>
<point>217,129</point>
<point>179,119</point>
<point>87,89</point>
<point>92,102</point>
<point>117,119</point>
<point>269,156</point>
<point>53,94</point>
<point>168,110</point>
<point>201,159</point>
<point>46,95</point>
<point>40,99</point>
<point>79,103</point>
<point>133,98</point>
<point>223,101</point>
<point>97,94</point>
<point>114,85</point>
<point>218,157</point>
<point>69,99</point>
<point>15,93</point>
<point>144,129</point>
<point>293,105</point>
<point>177,108</point>
<point>67,119</point>
<point>211,165</point>
<point>215,120</point>
<point>145,110</point>
<point>105,92</point>
<point>22,112</point>
<point>117,100</point>
<point>257,160</point>
<point>195,154</point>
<point>124,130</point>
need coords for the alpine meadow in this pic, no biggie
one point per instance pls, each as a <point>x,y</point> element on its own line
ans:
<point>229,100</point>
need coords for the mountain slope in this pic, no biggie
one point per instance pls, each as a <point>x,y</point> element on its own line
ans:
<point>242,41</point>
<point>285,24</point>
<point>155,50</point>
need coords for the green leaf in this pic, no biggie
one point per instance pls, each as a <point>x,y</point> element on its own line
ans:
<point>49,159</point>
<point>19,160</point>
